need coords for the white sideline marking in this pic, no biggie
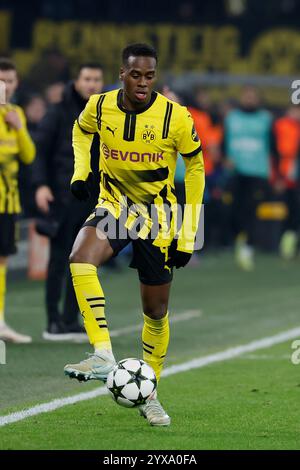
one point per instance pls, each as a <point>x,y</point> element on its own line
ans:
<point>233,352</point>
<point>193,364</point>
<point>265,357</point>
<point>51,406</point>
<point>187,315</point>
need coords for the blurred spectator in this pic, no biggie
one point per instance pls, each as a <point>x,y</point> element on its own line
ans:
<point>35,109</point>
<point>218,229</point>
<point>203,100</point>
<point>224,107</point>
<point>64,215</point>
<point>54,92</point>
<point>203,125</point>
<point>211,135</point>
<point>170,94</point>
<point>286,176</point>
<point>248,140</point>
<point>52,67</point>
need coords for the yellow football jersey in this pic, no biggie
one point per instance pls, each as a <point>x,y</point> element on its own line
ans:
<point>138,154</point>
<point>14,144</point>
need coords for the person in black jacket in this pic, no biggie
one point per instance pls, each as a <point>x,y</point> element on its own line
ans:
<point>63,214</point>
<point>34,106</point>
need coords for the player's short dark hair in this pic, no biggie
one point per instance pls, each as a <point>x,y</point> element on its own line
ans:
<point>88,65</point>
<point>138,50</point>
<point>7,64</point>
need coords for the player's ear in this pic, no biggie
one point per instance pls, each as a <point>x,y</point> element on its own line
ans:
<point>121,74</point>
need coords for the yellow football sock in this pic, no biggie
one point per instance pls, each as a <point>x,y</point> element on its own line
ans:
<point>2,290</point>
<point>91,303</point>
<point>155,338</point>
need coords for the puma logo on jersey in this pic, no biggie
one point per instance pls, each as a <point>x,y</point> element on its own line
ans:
<point>111,130</point>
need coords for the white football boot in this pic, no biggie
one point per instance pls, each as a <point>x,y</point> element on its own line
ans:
<point>96,367</point>
<point>12,336</point>
<point>154,412</point>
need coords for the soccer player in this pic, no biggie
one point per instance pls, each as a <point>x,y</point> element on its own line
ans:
<point>140,132</point>
<point>15,143</point>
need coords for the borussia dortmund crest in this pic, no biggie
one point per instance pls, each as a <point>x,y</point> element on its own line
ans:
<point>148,134</point>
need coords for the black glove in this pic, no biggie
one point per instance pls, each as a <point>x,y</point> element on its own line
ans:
<point>177,259</point>
<point>47,227</point>
<point>49,224</point>
<point>82,189</point>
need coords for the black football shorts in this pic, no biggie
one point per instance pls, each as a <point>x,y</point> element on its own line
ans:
<point>149,260</point>
<point>8,234</point>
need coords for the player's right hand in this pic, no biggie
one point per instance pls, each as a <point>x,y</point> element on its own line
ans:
<point>82,189</point>
<point>43,197</point>
<point>13,119</point>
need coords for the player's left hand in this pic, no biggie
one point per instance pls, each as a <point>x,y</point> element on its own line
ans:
<point>177,258</point>
<point>82,189</point>
<point>13,119</point>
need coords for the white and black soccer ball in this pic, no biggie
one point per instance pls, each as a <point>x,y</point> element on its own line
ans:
<point>131,382</point>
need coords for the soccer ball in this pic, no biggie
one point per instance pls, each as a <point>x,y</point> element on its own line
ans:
<point>131,382</point>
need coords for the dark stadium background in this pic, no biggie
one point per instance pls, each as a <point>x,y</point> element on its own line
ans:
<point>217,46</point>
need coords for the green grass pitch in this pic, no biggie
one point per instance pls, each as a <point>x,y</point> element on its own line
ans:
<point>250,402</point>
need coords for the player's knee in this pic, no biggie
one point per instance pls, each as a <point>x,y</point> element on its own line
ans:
<point>83,255</point>
<point>156,312</point>
<point>78,256</point>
